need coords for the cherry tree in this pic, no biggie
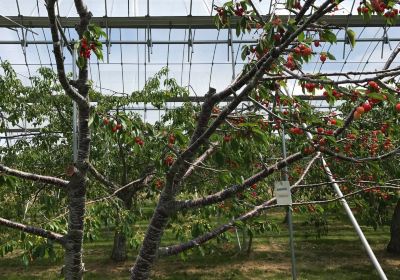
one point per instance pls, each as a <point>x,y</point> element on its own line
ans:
<point>221,136</point>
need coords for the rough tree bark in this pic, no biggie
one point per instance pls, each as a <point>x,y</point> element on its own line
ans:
<point>394,243</point>
<point>76,188</point>
<point>148,251</point>
<point>73,265</point>
<point>119,252</point>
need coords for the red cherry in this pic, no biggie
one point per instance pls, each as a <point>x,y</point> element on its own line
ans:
<point>139,141</point>
<point>171,139</point>
<point>373,85</point>
<point>322,58</point>
<point>106,121</point>
<point>277,37</point>
<point>306,51</point>
<point>169,160</point>
<point>351,136</point>
<point>317,43</point>
<point>356,115</point>
<point>84,43</point>
<point>360,109</point>
<point>227,138</point>
<point>367,107</point>
<point>398,107</point>
<point>159,184</point>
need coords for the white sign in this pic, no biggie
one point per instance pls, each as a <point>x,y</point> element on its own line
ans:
<point>283,193</point>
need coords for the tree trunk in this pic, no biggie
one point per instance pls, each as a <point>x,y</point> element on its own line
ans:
<point>74,267</point>
<point>394,243</point>
<point>119,252</point>
<point>148,251</point>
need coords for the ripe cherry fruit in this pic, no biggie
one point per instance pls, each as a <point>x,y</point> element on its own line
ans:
<point>373,85</point>
<point>398,107</point>
<point>169,160</point>
<point>139,141</point>
<point>367,107</point>
<point>356,115</point>
<point>360,109</point>
<point>322,58</point>
<point>227,138</point>
<point>171,139</point>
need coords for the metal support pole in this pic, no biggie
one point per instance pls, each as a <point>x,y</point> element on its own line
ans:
<point>353,220</point>
<point>74,112</point>
<point>289,210</point>
<point>110,42</point>
<point>232,53</point>
<point>238,239</point>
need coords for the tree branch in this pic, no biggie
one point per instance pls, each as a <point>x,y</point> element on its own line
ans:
<point>379,75</point>
<point>33,177</point>
<point>199,160</point>
<point>70,91</point>
<point>34,230</point>
<point>359,160</point>
<point>115,189</point>
<point>392,57</point>
<point>138,183</point>
<point>176,249</point>
<point>101,178</point>
<point>226,193</point>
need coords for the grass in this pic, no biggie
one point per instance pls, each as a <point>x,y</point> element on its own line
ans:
<point>337,255</point>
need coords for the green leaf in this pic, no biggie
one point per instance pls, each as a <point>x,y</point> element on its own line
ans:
<point>260,136</point>
<point>245,51</point>
<point>391,98</point>
<point>237,29</point>
<point>330,56</point>
<point>80,62</point>
<point>376,96</point>
<point>329,36</point>
<point>243,24</point>
<point>217,22</point>
<point>91,119</point>
<point>301,37</point>
<point>219,158</point>
<point>352,37</point>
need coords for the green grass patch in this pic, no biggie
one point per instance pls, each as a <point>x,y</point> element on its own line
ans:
<point>337,255</point>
